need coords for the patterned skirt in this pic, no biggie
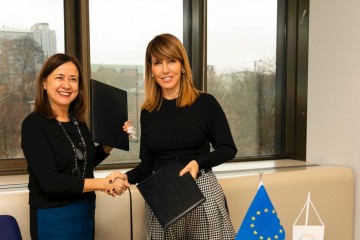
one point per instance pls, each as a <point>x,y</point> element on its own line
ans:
<point>210,220</point>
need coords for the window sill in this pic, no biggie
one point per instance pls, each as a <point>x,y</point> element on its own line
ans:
<point>223,171</point>
<point>232,169</point>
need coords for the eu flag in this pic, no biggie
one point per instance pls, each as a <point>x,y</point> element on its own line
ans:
<point>261,221</point>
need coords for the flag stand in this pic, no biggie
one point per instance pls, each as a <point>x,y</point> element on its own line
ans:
<point>314,232</point>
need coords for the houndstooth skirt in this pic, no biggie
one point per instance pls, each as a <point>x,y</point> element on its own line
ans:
<point>208,221</point>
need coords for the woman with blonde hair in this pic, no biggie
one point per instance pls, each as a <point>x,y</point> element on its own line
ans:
<point>180,122</point>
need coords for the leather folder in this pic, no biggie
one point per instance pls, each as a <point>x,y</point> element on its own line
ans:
<point>108,112</point>
<point>169,196</point>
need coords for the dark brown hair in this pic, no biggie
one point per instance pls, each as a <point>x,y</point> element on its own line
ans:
<point>42,104</point>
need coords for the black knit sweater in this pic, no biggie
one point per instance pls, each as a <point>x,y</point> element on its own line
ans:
<point>185,133</point>
<point>50,159</point>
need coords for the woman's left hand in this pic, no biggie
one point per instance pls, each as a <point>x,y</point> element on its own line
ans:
<point>192,167</point>
<point>129,129</point>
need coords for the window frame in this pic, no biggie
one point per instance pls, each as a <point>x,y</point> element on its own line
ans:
<point>291,57</point>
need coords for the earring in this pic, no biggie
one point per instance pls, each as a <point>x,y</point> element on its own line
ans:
<point>152,75</point>
<point>182,71</point>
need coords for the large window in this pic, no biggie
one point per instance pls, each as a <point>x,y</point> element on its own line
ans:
<point>118,38</point>
<point>248,53</point>
<point>241,70</point>
<point>30,31</point>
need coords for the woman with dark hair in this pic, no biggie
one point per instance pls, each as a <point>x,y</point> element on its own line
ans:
<point>180,122</point>
<point>60,155</point>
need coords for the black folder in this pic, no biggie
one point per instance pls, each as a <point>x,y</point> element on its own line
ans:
<point>108,112</point>
<point>169,196</point>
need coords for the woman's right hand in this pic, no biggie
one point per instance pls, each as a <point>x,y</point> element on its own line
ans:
<point>117,183</point>
<point>116,174</point>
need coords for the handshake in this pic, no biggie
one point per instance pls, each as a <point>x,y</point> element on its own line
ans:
<point>116,183</point>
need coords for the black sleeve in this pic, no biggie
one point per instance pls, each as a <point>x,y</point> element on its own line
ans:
<point>41,160</point>
<point>100,155</point>
<point>219,134</point>
<point>145,168</point>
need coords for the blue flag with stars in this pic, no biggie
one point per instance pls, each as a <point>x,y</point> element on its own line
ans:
<point>261,221</point>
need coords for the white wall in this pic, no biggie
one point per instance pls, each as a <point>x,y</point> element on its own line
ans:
<point>333,125</point>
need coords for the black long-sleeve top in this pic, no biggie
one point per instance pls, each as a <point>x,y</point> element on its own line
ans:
<point>185,133</point>
<point>50,159</point>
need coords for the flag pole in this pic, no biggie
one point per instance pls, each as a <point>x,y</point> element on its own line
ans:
<point>260,179</point>
<point>307,209</point>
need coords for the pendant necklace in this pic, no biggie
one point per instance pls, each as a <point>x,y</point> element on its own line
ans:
<point>78,154</point>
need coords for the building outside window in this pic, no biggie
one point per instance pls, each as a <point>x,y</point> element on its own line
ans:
<point>25,42</point>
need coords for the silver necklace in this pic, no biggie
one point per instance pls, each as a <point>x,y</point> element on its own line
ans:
<point>78,154</point>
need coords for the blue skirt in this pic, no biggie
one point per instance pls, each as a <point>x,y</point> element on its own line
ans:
<point>73,221</point>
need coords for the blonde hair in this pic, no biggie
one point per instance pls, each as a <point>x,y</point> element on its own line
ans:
<point>167,46</point>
